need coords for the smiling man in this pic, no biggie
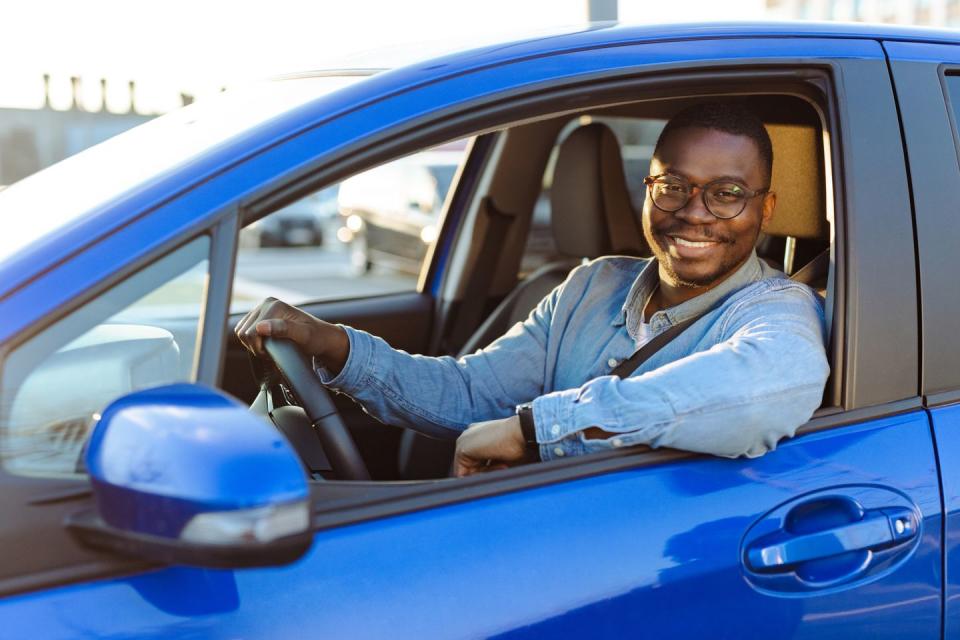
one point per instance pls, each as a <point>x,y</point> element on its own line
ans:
<point>745,370</point>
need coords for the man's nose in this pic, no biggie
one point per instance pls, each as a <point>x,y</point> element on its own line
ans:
<point>695,211</point>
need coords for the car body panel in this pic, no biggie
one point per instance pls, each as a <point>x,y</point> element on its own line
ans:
<point>474,569</point>
<point>929,103</point>
<point>946,429</point>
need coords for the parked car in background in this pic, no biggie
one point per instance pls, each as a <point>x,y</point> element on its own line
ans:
<point>155,484</point>
<point>302,223</point>
<point>391,214</point>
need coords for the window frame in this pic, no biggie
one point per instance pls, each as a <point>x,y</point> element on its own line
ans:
<point>929,110</point>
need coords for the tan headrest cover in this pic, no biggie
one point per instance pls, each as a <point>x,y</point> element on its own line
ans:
<point>797,182</point>
<point>591,213</point>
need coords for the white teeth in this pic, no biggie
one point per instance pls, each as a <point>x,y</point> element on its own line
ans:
<point>687,243</point>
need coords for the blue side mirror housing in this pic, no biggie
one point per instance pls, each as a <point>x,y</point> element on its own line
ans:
<point>185,474</point>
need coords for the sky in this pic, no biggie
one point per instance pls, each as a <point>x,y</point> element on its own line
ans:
<point>197,46</point>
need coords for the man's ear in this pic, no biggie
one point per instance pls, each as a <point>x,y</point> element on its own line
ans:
<point>769,204</point>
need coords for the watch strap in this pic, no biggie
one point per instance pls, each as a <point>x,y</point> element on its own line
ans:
<point>528,429</point>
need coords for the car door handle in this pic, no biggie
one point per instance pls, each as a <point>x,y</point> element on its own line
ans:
<point>878,528</point>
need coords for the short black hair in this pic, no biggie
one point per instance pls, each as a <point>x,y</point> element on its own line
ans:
<point>728,117</point>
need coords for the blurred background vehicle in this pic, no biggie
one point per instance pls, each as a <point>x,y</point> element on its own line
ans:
<point>302,223</point>
<point>391,214</point>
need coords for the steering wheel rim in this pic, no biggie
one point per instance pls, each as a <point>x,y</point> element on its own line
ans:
<point>315,399</point>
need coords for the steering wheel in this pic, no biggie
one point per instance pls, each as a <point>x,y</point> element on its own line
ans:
<point>337,442</point>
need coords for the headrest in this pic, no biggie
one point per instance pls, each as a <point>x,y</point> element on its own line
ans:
<point>591,214</point>
<point>797,182</point>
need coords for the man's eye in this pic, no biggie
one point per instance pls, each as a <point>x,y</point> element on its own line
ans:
<point>673,187</point>
<point>727,193</point>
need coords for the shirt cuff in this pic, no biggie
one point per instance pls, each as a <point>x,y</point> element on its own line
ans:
<point>560,427</point>
<point>553,423</point>
<point>355,370</point>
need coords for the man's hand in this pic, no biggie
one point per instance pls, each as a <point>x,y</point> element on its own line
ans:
<point>490,445</point>
<point>327,342</point>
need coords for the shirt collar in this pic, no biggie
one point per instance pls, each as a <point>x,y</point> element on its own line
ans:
<point>646,282</point>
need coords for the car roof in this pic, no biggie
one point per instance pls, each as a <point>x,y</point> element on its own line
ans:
<point>488,49</point>
<point>58,214</point>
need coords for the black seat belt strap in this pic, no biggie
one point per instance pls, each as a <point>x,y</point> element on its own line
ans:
<point>644,353</point>
<point>478,288</point>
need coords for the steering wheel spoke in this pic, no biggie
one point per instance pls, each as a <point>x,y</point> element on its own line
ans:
<point>337,442</point>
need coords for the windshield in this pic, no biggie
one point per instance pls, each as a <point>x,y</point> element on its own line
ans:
<point>54,197</point>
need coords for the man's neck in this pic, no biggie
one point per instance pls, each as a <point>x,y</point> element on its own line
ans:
<point>669,293</point>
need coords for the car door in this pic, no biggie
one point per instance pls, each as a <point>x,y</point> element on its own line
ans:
<point>629,542</point>
<point>928,91</point>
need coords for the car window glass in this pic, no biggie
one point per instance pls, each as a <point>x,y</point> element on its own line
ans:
<point>636,136</point>
<point>367,235</point>
<point>141,333</point>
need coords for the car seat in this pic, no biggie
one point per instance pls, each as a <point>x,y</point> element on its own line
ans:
<point>799,219</point>
<point>591,216</point>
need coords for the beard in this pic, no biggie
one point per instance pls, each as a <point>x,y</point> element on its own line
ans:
<point>729,262</point>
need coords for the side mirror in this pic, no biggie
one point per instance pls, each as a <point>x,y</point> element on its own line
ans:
<point>183,474</point>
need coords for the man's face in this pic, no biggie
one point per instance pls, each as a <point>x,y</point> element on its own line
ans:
<point>719,246</point>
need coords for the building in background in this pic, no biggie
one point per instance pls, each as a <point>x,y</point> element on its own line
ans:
<point>938,13</point>
<point>32,139</point>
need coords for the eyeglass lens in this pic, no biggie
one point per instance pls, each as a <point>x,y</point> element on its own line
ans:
<point>722,199</point>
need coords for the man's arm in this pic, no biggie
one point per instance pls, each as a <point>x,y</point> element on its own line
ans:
<point>737,398</point>
<point>439,396</point>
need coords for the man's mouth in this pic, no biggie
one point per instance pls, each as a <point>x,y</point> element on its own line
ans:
<point>692,243</point>
<point>690,248</point>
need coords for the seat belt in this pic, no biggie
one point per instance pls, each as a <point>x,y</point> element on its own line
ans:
<point>659,341</point>
<point>644,353</point>
<point>475,296</point>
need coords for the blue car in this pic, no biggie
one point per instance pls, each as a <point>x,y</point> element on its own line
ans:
<point>156,483</point>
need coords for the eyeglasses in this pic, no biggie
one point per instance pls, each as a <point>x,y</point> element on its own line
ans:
<point>723,198</point>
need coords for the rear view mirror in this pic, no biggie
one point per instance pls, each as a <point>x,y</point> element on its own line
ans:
<point>184,474</point>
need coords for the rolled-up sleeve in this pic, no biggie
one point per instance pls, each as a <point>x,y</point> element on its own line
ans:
<point>736,398</point>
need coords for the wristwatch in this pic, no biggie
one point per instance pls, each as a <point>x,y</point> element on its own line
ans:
<point>528,429</point>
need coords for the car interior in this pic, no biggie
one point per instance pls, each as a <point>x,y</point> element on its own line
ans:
<point>575,169</point>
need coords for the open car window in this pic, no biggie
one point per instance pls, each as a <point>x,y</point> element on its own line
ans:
<point>367,235</point>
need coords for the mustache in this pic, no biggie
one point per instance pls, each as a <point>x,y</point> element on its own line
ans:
<point>693,233</point>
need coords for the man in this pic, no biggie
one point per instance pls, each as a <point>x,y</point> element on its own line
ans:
<point>744,375</point>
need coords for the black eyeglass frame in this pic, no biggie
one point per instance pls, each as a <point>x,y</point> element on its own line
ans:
<point>749,194</point>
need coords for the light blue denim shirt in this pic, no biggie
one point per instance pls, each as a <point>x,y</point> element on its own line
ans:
<point>743,376</point>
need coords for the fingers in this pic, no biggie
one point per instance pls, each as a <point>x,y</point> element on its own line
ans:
<point>275,318</point>
<point>246,330</point>
<point>466,466</point>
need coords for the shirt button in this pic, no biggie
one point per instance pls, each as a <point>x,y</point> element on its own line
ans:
<point>555,429</point>
<point>612,362</point>
<point>557,451</point>
<point>617,442</point>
